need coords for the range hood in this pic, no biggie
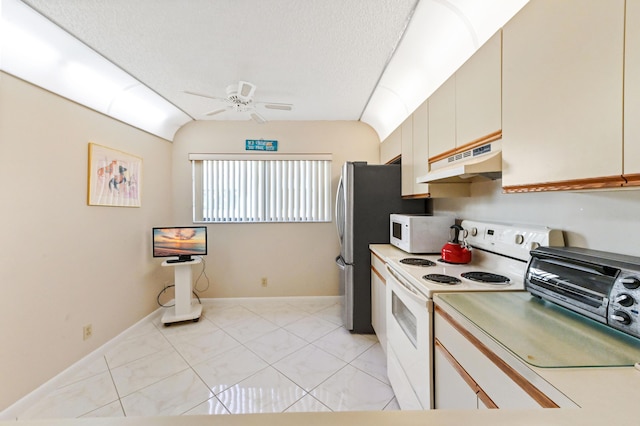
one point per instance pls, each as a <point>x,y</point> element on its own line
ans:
<point>483,162</point>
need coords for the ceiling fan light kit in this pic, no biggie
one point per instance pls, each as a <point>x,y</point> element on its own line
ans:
<point>240,99</point>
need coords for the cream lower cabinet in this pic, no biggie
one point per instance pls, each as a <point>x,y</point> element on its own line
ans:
<point>562,95</point>
<point>378,300</point>
<point>469,375</point>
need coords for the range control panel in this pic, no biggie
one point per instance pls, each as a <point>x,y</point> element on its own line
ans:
<point>624,303</point>
<point>515,241</point>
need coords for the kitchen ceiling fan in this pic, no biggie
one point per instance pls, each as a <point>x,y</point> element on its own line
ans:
<point>240,99</point>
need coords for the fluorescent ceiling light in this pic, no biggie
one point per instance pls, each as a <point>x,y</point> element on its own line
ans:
<point>441,36</point>
<point>38,51</point>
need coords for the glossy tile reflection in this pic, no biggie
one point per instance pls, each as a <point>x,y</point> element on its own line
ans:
<point>243,356</point>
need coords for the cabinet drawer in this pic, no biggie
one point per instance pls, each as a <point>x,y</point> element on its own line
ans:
<point>503,384</point>
<point>377,266</point>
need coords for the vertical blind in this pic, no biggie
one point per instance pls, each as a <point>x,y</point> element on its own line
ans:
<point>247,189</point>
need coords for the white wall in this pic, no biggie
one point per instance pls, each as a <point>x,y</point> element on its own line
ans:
<point>597,220</point>
<point>296,258</point>
<point>64,264</point>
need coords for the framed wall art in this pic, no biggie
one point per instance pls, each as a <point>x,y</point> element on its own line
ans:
<point>115,177</point>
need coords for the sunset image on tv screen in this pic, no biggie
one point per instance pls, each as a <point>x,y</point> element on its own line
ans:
<point>179,241</point>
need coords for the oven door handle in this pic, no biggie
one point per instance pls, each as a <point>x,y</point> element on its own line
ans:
<point>407,289</point>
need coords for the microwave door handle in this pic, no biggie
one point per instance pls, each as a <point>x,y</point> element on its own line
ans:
<point>407,289</point>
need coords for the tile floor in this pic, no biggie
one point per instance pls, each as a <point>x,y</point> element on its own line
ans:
<point>243,356</point>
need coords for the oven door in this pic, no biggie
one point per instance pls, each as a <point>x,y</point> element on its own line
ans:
<point>409,343</point>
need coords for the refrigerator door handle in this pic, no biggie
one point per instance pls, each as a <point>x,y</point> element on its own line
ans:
<point>340,210</point>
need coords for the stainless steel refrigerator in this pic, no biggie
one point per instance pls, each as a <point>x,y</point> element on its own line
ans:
<point>366,196</point>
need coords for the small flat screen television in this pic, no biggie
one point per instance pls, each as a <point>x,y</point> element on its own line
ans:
<point>180,241</point>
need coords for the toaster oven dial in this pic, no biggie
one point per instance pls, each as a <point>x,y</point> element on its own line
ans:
<point>519,239</point>
<point>622,317</point>
<point>630,282</point>
<point>625,300</point>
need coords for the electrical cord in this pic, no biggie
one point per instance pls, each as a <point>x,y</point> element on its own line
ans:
<point>174,304</point>
<point>203,272</point>
<point>195,287</point>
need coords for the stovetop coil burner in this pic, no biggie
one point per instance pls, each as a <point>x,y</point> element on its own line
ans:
<point>415,261</point>
<point>485,277</point>
<point>441,279</point>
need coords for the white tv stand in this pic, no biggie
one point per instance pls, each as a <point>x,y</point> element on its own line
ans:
<point>184,309</point>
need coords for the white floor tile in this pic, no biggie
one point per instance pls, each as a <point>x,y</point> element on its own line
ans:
<point>243,356</point>
<point>196,348</point>
<point>146,371</point>
<point>309,366</point>
<point>345,345</point>
<point>353,390</point>
<point>136,347</point>
<point>75,400</point>
<point>249,329</point>
<point>209,407</point>
<point>332,314</point>
<point>374,362</point>
<point>267,391</point>
<point>311,328</point>
<point>227,369</point>
<point>170,397</point>
<point>307,404</point>
<point>110,410</point>
<point>226,317</point>
<point>276,345</point>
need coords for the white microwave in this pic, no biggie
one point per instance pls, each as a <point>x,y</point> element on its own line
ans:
<point>419,233</point>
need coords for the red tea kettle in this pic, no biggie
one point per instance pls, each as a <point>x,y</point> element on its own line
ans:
<point>456,251</point>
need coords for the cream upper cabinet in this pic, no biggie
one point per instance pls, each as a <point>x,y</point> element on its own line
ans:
<point>406,132</point>
<point>632,94</point>
<point>478,94</point>
<point>391,147</point>
<point>420,147</point>
<point>562,94</point>
<point>442,118</point>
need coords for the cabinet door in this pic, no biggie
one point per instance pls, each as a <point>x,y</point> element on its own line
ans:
<point>451,390</point>
<point>632,93</point>
<point>407,156</point>
<point>442,118</point>
<point>479,94</point>
<point>378,300</point>
<point>391,147</point>
<point>562,91</point>
<point>420,147</point>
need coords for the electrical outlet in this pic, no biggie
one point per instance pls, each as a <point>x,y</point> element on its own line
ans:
<point>87,331</point>
<point>264,281</point>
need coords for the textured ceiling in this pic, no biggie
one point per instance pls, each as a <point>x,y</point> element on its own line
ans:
<point>323,56</point>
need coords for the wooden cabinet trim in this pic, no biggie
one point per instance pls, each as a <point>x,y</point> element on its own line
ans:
<point>570,185</point>
<point>375,271</point>
<point>632,180</point>
<point>543,400</point>
<point>473,144</point>
<point>416,196</point>
<point>465,376</point>
<point>394,160</point>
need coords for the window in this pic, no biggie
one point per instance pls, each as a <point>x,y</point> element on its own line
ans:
<point>252,188</point>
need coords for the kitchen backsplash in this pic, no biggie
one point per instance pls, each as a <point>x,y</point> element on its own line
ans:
<point>598,220</point>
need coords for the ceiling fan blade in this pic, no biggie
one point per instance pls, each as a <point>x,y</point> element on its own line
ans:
<point>258,118</point>
<point>280,106</point>
<point>202,95</point>
<point>216,111</point>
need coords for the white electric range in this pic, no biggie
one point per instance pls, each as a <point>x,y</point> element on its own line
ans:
<point>500,253</point>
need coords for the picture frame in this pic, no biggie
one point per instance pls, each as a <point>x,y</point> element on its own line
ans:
<point>115,177</point>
